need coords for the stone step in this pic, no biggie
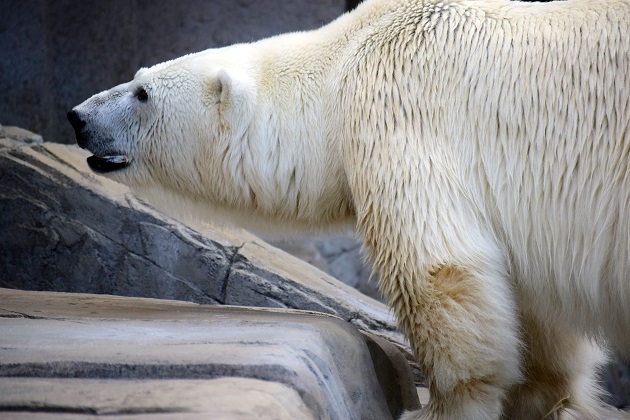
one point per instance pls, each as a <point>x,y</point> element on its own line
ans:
<point>65,354</point>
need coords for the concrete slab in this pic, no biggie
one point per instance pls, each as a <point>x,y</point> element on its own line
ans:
<point>113,348</point>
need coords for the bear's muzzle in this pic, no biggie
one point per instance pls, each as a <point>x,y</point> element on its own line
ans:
<point>99,164</point>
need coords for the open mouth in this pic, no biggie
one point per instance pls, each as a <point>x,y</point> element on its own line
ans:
<point>104,164</point>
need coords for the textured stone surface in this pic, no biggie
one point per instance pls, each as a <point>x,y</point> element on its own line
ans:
<point>338,255</point>
<point>54,343</point>
<point>12,137</point>
<point>55,54</point>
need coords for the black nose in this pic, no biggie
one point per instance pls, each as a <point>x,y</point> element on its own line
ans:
<point>78,124</point>
<point>76,121</point>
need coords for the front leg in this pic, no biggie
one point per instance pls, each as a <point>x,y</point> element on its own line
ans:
<point>449,286</point>
<point>440,266</point>
<point>461,323</point>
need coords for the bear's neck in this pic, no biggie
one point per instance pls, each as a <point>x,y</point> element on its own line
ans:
<point>298,127</point>
<point>295,130</point>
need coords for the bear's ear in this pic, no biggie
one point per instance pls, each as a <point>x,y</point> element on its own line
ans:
<point>140,72</point>
<point>220,89</point>
<point>226,86</point>
<point>233,93</point>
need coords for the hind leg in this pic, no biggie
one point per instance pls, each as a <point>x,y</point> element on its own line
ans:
<point>560,371</point>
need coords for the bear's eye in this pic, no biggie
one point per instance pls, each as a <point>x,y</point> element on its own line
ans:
<point>141,94</point>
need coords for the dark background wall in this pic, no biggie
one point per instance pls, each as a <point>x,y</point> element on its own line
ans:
<point>56,53</point>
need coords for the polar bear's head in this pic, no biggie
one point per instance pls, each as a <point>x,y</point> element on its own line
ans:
<point>168,114</point>
<point>208,129</point>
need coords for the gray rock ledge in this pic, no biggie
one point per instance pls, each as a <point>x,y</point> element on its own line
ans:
<point>68,354</point>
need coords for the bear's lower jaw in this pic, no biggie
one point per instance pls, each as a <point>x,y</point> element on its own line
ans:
<point>104,164</point>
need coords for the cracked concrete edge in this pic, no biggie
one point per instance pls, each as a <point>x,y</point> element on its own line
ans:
<point>226,279</point>
<point>13,303</point>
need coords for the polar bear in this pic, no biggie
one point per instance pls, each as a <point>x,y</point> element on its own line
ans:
<point>479,147</point>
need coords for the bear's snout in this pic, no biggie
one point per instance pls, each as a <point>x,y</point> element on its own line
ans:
<point>78,124</point>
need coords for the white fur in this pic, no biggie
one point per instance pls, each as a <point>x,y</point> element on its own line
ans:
<point>481,148</point>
